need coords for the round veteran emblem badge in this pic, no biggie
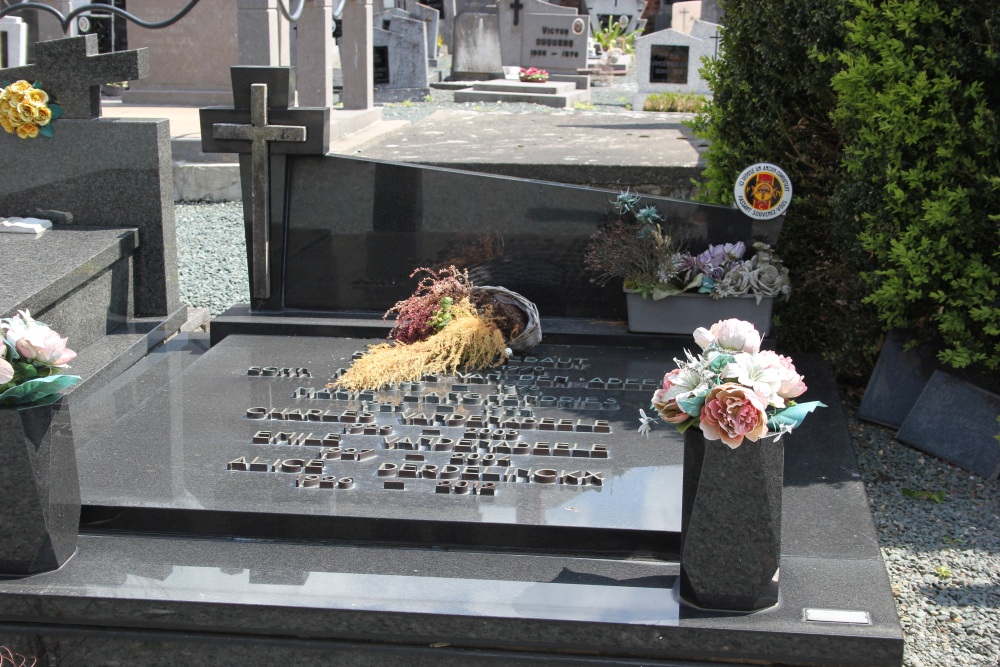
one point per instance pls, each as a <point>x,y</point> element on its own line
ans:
<point>763,191</point>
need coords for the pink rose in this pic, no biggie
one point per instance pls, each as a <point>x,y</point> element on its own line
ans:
<point>732,335</point>
<point>792,385</point>
<point>46,347</point>
<point>668,408</point>
<point>36,341</point>
<point>733,412</point>
<point>6,371</point>
<point>671,378</point>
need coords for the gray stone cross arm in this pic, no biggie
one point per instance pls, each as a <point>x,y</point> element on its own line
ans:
<point>71,70</point>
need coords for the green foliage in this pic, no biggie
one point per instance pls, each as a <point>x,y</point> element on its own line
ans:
<point>684,102</point>
<point>935,496</point>
<point>615,36</point>
<point>772,102</point>
<point>919,94</point>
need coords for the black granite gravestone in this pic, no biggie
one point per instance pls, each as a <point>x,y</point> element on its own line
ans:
<point>956,421</point>
<point>500,517</point>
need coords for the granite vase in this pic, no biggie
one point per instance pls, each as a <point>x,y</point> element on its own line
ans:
<point>731,523</point>
<point>40,508</point>
<point>683,313</point>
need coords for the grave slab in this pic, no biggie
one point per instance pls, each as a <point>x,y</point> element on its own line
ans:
<point>559,94</point>
<point>956,421</point>
<point>174,585</point>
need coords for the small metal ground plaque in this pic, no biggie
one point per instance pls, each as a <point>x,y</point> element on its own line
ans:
<point>837,616</point>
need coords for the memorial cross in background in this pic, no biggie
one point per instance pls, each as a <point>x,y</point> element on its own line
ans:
<point>260,126</point>
<point>72,71</point>
<point>259,134</point>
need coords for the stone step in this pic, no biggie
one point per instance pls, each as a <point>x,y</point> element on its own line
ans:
<point>511,86</point>
<point>81,285</point>
<point>80,282</point>
<point>560,101</point>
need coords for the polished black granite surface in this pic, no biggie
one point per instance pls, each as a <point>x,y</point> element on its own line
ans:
<point>541,454</point>
<point>135,594</point>
<point>350,231</point>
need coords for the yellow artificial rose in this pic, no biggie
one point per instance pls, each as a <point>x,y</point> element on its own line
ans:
<point>14,120</point>
<point>20,87</point>
<point>43,116</point>
<point>4,106</point>
<point>26,111</point>
<point>5,124</point>
<point>36,97</point>
<point>27,131</point>
<point>4,93</point>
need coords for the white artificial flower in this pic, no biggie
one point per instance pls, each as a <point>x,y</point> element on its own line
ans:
<point>752,371</point>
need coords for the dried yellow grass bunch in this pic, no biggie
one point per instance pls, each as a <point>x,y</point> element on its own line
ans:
<point>470,340</point>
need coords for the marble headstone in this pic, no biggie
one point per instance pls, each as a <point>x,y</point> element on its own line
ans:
<point>476,45</point>
<point>13,42</point>
<point>539,34</point>
<point>190,59</point>
<point>670,60</point>
<point>400,55</point>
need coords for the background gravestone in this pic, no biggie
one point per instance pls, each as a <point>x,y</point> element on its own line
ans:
<point>113,173</point>
<point>405,42</point>
<point>476,46</point>
<point>190,59</point>
<point>670,60</point>
<point>684,14</point>
<point>13,42</point>
<point>432,23</point>
<point>446,15</point>
<point>539,34</point>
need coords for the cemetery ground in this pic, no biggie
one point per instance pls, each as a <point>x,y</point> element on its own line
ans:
<point>937,524</point>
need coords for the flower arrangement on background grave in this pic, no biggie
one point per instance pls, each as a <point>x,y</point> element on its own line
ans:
<point>634,246</point>
<point>27,110</point>
<point>31,358</point>
<point>446,324</point>
<point>616,36</point>
<point>732,390</point>
<point>533,75</point>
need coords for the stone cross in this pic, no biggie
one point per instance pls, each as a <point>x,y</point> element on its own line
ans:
<point>260,134</point>
<point>517,6</point>
<point>261,124</point>
<point>72,71</point>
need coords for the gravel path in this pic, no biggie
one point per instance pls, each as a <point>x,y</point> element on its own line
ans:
<point>938,526</point>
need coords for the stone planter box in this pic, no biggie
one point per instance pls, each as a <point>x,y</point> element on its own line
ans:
<point>683,313</point>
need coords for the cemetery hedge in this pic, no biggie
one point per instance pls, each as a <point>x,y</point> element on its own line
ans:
<point>884,116</point>
<point>918,98</point>
<point>772,102</point>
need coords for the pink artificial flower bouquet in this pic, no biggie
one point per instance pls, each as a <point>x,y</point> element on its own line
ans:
<point>733,390</point>
<point>31,358</point>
